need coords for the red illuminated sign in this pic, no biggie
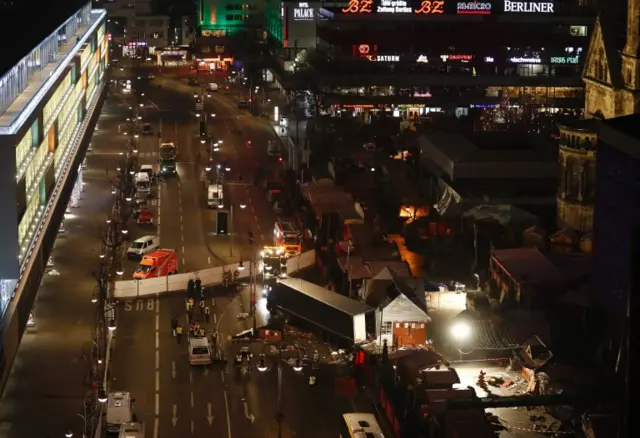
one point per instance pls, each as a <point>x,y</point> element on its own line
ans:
<point>430,7</point>
<point>358,7</point>
<point>459,57</point>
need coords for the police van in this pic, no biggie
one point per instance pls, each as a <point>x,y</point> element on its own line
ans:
<point>199,351</point>
<point>119,410</point>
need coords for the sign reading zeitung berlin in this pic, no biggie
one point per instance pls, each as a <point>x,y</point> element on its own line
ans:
<point>524,6</point>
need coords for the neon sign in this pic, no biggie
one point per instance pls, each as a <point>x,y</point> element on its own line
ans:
<point>430,7</point>
<point>565,60</point>
<point>458,57</point>
<point>303,12</point>
<point>358,7</point>
<point>385,58</point>
<point>521,60</point>
<point>394,7</point>
<point>474,8</point>
<point>537,7</point>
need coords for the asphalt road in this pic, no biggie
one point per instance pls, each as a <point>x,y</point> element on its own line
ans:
<point>47,384</point>
<point>179,204</point>
<point>221,400</point>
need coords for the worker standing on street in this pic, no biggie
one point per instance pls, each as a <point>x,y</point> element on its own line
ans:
<point>207,314</point>
<point>202,306</point>
<point>174,325</point>
<point>179,333</point>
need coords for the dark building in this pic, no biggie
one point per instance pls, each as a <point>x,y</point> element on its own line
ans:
<point>617,210</point>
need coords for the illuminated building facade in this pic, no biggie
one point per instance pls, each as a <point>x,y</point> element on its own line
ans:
<point>228,17</point>
<point>381,46</point>
<point>47,101</point>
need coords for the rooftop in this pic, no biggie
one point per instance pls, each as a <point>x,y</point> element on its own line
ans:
<point>622,133</point>
<point>496,155</point>
<point>50,15</point>
<point>41,82</point>
<point>333,299</point>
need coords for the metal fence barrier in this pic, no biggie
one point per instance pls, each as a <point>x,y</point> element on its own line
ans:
<point>211,276</point>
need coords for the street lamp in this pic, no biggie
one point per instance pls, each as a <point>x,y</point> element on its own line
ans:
<point>124,232</point>
<point>119,270</point>
<point>69,434</point>
<point>102,396</point>
<point>213,114</point>
<point>241,266</point>
<point>243,205</point>
<point>112,324</point>
<point>461,331</point>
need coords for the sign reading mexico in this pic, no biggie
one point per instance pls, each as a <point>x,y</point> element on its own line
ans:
<point>474,8</point>
<point>303,12</point>
<point>525,6</point>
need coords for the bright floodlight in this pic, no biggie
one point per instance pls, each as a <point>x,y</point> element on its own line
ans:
<point>102,396</point>
<point>68,434</point>
<point>461,331</point>
<point>241,267</point>
<point>242,204</point>
<point>120,271</point>
<point>298,366</point>
<point>262,366</point>
<point>112,325</point>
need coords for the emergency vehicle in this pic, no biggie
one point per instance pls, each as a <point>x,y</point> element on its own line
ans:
<point>287,236</point>
<point>157,264</point>
<point>274,262</point>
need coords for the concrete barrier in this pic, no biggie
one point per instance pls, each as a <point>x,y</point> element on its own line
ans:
<point>172,283</point>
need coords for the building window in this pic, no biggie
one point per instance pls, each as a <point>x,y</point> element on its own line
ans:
<point>387,328</point>
<point>230,17</point>
<point>578,31</point>
<point>138,23</point>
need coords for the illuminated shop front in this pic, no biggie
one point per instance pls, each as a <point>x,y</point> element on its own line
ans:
<point>403,111</point>
<point>46,105</point>
<point>135,48</point>
<point>212,56</point>
<point>173,57</point>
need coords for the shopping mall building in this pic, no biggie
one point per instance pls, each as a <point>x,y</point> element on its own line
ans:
<point>432,54</point>
<point>48,99</point>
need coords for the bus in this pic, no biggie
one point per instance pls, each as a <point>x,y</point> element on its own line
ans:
<point>360,425</point>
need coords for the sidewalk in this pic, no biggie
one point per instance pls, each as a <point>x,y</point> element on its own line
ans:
<point>48,380</point>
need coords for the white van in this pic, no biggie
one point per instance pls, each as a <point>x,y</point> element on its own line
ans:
<point>212,86</point>
<point>119,410</point>
<point>143,183</point>
<point>131,430</point>
<point>199,351</point>
<point>142,246</point>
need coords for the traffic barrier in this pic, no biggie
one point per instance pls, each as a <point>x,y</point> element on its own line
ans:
<point>173,283</point>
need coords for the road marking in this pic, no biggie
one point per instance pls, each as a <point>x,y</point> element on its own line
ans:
<point>192,401</point>
<point>158,403</point>
<point>209,260</point>
<point>256,216</point>
<point>222,376</point>
<point>156,427</point>
<point>183,262</point>
<point>174,417</point>
<point>190,377</point>
<point>158,381</point>
<point>209,414</point>
<point>157,321</point>
<point>215,319</point>
<point>157,359</point>
<point>192,427</point>
<point>226,404</point>
<point>213,304</point>
<point>173,369</point>
<point>261,236</point>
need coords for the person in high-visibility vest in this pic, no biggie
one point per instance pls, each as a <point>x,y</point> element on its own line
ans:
<point>179,333</point>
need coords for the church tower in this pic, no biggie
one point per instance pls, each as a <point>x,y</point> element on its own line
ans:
<point>612,89</point>
<point>631,60</point>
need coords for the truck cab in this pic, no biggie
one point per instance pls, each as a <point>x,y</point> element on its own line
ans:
<point>287,236</point>
<point>157,264</point>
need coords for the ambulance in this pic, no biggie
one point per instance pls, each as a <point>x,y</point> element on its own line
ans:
<point>157,264</point>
